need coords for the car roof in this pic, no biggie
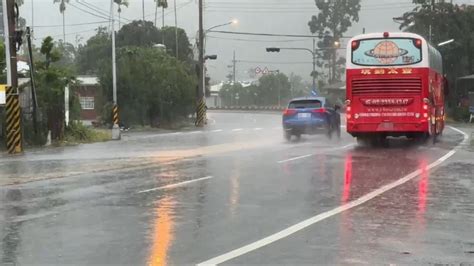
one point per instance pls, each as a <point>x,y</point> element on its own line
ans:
<point>321,99</point>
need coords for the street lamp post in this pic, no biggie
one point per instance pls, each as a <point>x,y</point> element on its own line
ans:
<point>201,113</point>
<point>313,53</point>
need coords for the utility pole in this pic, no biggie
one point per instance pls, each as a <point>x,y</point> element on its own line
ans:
<point>115,110</point>
<point>314,66</point>
<point>234,63</point>
<point>176,28</point>
<point>12,107</point>
<point>201,104</point>
<point>32,81</point>
<point>143,9</point>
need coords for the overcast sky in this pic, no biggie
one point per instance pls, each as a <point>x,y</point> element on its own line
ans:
<point>269,16</point>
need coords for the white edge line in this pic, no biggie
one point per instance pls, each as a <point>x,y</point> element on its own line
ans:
<point>176,184</point>
<point>301,225</point>
<point>296,158</point>
<point>236,129</point>
<point>309,155</point>
<point>217,130</point>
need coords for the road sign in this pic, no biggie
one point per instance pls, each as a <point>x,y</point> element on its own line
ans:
<point>258,70</point>
<point>2,93</point>
<point>265,71</point>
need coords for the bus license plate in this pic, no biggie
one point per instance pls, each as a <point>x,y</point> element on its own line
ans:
<point>387,125</point>
<point>304,115</point>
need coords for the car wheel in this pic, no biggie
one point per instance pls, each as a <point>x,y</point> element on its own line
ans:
<point>329,132</point>
<point>338,131</point>
<point>298,136</point>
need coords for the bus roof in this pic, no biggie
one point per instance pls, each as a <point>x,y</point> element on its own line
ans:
<point>431,59</point>
<point>390,35</point>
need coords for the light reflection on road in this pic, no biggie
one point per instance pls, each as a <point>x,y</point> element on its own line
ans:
<point>163,234</point>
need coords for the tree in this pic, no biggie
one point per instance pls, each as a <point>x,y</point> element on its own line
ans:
<point>447,21</point>
<point>184,48</point>
<point>62,9</point>
<point>51,80</point>
<point>120,3</point>
<point>153,87</point>
<point>274,89</point>
<point>333,20</point>
<point>3,65</point>
<point>138,33</point>
<point>298,88</point>
<point>95,53</point>
<point>163,4</point>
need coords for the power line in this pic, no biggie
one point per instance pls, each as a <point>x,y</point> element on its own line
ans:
<point>253,40</point>
<point>90,13</point>
<point>70,25</point>
<point>98,9</point>
<point>271,34</point>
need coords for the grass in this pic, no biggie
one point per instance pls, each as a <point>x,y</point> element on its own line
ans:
<point>78,133</point>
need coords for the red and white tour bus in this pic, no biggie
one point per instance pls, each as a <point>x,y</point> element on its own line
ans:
<point>395,87</point>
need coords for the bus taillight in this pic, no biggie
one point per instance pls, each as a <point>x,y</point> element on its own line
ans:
<point>418,43</point>
<point>355,45</point>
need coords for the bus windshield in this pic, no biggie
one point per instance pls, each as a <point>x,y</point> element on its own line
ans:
<point>386,52</point>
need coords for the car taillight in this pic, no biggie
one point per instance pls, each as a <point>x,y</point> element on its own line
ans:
<point>348,109</point>
<point>288,112</point>
<point>319,110</point>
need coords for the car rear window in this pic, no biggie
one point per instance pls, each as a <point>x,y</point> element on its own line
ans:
<point>305,104</point>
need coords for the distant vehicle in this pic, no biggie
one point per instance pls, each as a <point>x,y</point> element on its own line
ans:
<point>311,115</point>
<point>395,87</point>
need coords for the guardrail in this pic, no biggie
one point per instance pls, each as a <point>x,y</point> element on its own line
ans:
<point>249,108</point>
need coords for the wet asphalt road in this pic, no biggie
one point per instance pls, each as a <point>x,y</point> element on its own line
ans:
<point>194,196</point>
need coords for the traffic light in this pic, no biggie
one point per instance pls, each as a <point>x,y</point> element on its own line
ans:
<point>273,50</point>
<point>210,57</point>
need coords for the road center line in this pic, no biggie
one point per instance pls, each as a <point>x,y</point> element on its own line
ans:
<point>322,216</point>
<point>312,154</point>
<point>176,184</point>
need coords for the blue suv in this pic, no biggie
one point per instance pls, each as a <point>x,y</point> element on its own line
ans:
<point>311,115</point>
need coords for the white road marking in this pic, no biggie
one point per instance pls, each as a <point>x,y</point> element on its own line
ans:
<point>175,185</point>
<point>194,132</point>
<point>236,129</point>
<point>320,217</point>
<point>313,154</point>
<point>296,158</point>
<point>217,130</point>
<point>258,128</point>
<point>277,128</point>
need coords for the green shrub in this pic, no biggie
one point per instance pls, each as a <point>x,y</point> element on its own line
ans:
<point>460,114</point>
<point>76,132</point>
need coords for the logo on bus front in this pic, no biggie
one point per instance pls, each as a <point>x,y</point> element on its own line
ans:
<point>386,101</point>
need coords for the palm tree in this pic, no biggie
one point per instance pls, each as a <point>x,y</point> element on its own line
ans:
<point>62,9</point>
<point>120,3</point>
<point>163,4</point>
